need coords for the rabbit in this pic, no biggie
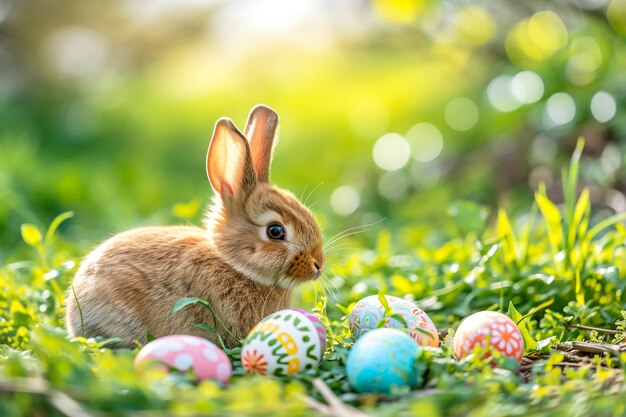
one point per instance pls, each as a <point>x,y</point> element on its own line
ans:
<point>259,243</point>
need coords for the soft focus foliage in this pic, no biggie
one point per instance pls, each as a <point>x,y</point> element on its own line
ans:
<point>432,134</point>
<point>106,108</point>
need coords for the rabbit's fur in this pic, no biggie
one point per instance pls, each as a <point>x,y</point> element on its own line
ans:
<point>127,286</point>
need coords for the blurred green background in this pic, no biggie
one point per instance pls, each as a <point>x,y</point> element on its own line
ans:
<point>407,111</point>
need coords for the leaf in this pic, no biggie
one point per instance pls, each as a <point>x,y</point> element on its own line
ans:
<point>400,319</point>
<point>552,218</point>
<point>184,302</point>
<point>544,345</point>
<point>604,224</point>
<point>56,223</point>
<point>150,337</point>
<point>507,235</point>
<point>529,342</point>
<point>540,307</point>
<point>205,327</point>
<point>524,241</point>
<point>581,214</point>
<point>570,181</point>
<point>468,216</point>
<point>31,234</point>
<point>580,293</point>
<point>423,331</point>
<point>108,342</point>
<point>383,301</point>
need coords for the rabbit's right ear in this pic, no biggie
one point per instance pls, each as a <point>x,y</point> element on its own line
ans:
<point>229,162</point>
<point>261,131</point>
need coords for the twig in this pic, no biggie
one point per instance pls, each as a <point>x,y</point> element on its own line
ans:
<point>597,329</point>
<point>335,407</point>
<point>596,348</point>
<point>317,406</point>
<point>65,404</point>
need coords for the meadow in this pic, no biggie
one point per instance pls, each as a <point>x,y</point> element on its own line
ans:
<point>463,155</point>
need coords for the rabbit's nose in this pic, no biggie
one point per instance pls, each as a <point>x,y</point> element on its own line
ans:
<point>317,269</point>
<point>319,257</point>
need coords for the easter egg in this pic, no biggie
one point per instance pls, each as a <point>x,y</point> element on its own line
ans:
<point>184,352</point>
<point>382,360</point>
<point>284,343</point>
<point>367,313</point>
<point>489,329</point>
<point>318,327</point>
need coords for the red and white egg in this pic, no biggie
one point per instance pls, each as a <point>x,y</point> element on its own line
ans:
<point>490,330</point>
<point>185,352</point>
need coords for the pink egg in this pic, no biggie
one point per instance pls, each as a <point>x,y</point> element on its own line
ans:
<point>491,329</point>
<point>321,333</point>
<point>184,352</point>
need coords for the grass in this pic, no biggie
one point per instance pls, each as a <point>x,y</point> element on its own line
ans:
<point>560,277</point>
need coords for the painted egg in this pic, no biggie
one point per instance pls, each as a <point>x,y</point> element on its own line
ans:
<point>382,360</point>
<point>366,314</point>
<point>318,327</point>
<point>184,352</point>
<point>284,343</point>
<point>491,329</point>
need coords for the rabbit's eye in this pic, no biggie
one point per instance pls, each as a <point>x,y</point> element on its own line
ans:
<point>276,231</point>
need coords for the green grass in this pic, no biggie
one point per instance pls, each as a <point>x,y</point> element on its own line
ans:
<point>550,270</point>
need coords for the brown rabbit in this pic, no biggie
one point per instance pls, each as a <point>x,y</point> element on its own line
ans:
<point>259,243</point>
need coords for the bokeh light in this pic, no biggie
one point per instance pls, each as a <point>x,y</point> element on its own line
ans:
<point>398,11</point>
<point>77,51</point>
<point>474,25</point>
<point>527,87</point>
<point>585,59</point>
<point>461,114</point>
<point>393,186</point>
<point>391,152</point>
<point>426,142</point>
<point>616,14</point>
<point>535,40</point>
<point>500,94</point>
<point>345,200</point>
<point>603,106</point>
<point>560,109</point>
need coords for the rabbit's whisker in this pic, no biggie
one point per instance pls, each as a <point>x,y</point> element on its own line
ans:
<point>272,289</point>
<point>312,191</point>
<point>328,288</point>
<point>350,231</point>
<point>303,191</point>
<point>344,246</point>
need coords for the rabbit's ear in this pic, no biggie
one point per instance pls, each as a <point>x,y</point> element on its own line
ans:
<point>229,163</point>
<point>261,131</point>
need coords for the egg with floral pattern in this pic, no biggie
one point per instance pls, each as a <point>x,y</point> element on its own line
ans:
<point>383,360</point>
<point>286,342</point>
<point>184,353</point>
<point>368,312</point>
<point>491,330</point>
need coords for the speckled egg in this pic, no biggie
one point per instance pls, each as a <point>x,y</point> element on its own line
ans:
<point>284,343</point>
<point>184,352</point>
<point>491,329</point>
<point>382,360</point>
<point>366,314</point>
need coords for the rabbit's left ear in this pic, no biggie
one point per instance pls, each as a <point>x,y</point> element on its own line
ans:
<point>261,132</point>
<point>229,164</point>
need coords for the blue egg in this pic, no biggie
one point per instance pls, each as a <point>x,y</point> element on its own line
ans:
<point>383,360</point>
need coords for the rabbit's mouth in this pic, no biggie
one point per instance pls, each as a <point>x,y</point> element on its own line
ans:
<point>305,267</point>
